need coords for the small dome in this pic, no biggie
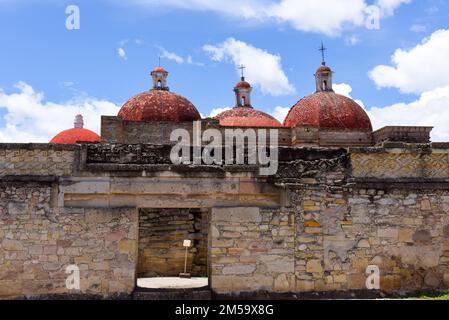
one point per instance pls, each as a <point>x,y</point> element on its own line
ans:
<point>75,135</point>
<point>328,110</point>
<point>323,68</point>
<point>159,105</point>
<point>243,85</point>
<point>159,69</point>
<point>246,117</point>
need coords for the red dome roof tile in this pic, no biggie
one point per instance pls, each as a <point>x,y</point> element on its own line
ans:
<point>159,105</point>
<point>75,135</point>
<point>246,117</point>
<point>242,84</point>
<point>323,68</point>
<point>328,110</point>
<point>159,69</point>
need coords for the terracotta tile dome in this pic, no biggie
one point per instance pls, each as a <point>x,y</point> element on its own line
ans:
<point>323,68</point>
<point>75,135</point>
<point>247,117</point>
<point>243,114</point>
<point>243,84</point>
<point>328,110</point>
<point>159,104</point>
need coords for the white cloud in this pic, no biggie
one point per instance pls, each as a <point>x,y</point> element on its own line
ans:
<point>352,40</point>
<point>345,90</point>
<point>177,58</point>
<point>418,28</point>
<point>171,56</point>
<point>389,6</point>
<point>217,111</point>
<point>263,69</point>
<point>122,53</point>
<point>431,109</point>
<point>419,69</point>
<point>29,118</point>
<point>280,113</point>
<point>329,17</point>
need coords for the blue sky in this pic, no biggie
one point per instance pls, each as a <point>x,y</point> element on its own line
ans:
<point>201,43</point>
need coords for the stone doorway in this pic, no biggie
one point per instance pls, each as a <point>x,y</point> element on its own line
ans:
<point>161,254</point>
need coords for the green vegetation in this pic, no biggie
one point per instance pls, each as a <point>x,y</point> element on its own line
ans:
<point>443,296</point>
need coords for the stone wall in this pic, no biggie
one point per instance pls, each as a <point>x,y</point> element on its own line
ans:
<point>324,241</point>
<point>397,160</point>
<point>402,232</point>
<point>161,236</point>
<point>252,250</point>
<point>38,242</point>
<point>38,159</point>
<point>116,131</point>
<point>404,134</point>
<point>314,226</point>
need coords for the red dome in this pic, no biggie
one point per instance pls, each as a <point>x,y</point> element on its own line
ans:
<point>323,68</point>
<point>75,135</point>
<point>159,105</point>
<point>246,117</point>
<point>328,110</point>
<point>243,84</point>
<point>159,69</point>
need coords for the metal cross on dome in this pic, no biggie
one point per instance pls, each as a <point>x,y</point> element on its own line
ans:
<point>322,49</point>
<point>242,67</point>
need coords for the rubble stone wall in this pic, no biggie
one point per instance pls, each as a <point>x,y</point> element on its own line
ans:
<point>38,242</point>
<point>38,159</point>
<point>340,212</point>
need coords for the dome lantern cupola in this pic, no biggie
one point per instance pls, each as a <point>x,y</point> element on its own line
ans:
<point>243,92</point>
<point>323,75</point>
<point>79,122</point>
<point>160,76</point>
<point>243,114</point>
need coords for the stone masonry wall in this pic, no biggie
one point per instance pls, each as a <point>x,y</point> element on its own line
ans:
<point>38,242</point>
<point>340,212</point>
<point>37,159</point>
<point>161,236</point>
<point>385,207</point>
<point>324,241</point>
<point>252,249</point>
<point>404,233</point>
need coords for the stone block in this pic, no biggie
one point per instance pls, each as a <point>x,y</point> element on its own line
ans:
<point>127,246</point>
<point>314,266</point>
<point>363,243</point>
<point>237,215</point>
<point>238,269</point>
<point>426,205</point>
<point>391,233</point>
<point>285,283</point>
<point>305,285</point>
<point>12,245</point>
<point>406,235</point>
